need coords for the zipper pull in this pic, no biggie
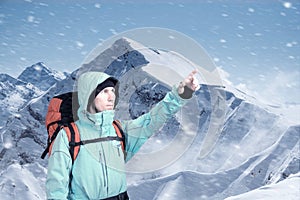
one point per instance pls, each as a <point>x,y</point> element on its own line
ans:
<point>119,150</point>
<point>100,156</point>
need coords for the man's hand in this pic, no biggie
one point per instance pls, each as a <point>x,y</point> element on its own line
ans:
<point>190,82</point>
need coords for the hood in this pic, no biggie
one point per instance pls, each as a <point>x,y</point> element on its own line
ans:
<point>86,85</point>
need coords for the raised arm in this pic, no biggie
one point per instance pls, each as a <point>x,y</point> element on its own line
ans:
<point>137,131</point>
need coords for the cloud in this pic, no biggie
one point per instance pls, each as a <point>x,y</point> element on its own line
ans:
<point>278,91</point>
<point>276,87</point>
<point>283,87</point>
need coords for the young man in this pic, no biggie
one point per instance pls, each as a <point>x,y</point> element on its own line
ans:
<point>99,169</point>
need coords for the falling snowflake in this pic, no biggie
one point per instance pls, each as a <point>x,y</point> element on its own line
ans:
<point>97,5</point>
<point>79,44</point>
<point>287,4</point>
<point>251,10</point>
<point>30,18</point>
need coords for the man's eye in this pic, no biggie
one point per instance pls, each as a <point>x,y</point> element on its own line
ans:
<point>108,90</point>
<point>104,91</point>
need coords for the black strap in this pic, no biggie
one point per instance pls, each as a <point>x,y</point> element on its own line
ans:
<point>45,152</point>
<point>72,147</point>
<point>59,122</point>
<point>121,196</point>
<point>50,140</point>
<point>117,123</point>
<point>101,139</point>
<point>71,150</point>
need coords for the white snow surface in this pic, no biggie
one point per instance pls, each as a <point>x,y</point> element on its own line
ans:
<point>287,189</point>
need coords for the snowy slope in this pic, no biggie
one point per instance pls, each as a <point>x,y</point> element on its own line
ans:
<point>217,146</point>
<point>23,182</point>
<point>286,189</point>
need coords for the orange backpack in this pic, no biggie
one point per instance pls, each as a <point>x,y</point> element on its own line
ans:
<point>62,112</point>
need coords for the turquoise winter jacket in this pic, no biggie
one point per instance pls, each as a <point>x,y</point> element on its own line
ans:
<point>99,169</point>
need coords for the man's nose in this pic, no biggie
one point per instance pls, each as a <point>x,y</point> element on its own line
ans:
<point>111,96</point>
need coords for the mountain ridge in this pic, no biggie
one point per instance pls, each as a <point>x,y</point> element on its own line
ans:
<point>41,76</point>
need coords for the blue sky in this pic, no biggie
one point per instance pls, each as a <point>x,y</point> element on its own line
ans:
<point>255,41</point>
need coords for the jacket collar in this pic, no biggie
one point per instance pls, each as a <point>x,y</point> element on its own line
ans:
<point>101,119</point>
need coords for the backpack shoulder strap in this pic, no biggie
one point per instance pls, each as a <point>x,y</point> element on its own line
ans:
<point>50,142</point>
<point>120,133</point>
<point>74,139</point>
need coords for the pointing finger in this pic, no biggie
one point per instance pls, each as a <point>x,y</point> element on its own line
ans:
<point>194,72</point>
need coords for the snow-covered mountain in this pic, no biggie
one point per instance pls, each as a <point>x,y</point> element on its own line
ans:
<point>41,76</point>
<point>218,146</point>
<point>15,93</point>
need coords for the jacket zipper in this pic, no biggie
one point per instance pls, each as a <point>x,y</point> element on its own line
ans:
<point>104,169</point>
<point>106,173</point>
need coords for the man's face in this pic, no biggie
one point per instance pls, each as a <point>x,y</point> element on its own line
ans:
<point>105,100</point>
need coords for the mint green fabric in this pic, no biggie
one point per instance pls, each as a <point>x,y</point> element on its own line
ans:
<point>99,170</point>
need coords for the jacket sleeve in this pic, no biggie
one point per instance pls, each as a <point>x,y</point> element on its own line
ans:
<point>59,168</point>
<point>137,131</point>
